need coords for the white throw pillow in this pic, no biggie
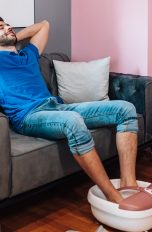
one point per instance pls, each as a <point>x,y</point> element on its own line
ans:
<point>83,81</point>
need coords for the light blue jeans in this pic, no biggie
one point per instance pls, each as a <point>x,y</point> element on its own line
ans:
<point>52,120</point>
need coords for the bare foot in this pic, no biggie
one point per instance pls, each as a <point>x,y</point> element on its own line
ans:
<point>114,196</point>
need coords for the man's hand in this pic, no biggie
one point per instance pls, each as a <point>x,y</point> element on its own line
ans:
<point>38,34</point>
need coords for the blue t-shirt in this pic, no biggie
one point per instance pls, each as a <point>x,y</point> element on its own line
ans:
<point>22,87</point>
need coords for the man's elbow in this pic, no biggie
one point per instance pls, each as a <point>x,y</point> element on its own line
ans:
<point>46,23</point>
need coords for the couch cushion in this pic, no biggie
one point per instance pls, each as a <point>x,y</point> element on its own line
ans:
<point>141,132</point>
<point>83,81</point>
<point>24,144</point>
<point>48,72</point>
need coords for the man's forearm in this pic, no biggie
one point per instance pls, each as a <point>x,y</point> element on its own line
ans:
<point>30,31</point>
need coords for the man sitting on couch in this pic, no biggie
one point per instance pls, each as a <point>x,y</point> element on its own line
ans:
<point>33,111</point>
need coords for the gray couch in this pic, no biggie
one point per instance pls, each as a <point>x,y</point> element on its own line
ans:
<point>27,163</point>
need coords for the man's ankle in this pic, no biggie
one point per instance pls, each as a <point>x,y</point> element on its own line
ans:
<point>115,197</point>
<point>128,182</point>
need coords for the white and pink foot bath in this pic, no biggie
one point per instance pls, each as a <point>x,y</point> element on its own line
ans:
<point>110,214</point>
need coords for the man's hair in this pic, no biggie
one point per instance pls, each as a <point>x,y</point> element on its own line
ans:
<point>1,19</point>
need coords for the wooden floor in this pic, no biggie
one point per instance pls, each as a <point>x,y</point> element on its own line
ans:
<point>64,206</point>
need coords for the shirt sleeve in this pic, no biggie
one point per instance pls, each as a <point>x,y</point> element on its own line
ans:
<point>34,50</point>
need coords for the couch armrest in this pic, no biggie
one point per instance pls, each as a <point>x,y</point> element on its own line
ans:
<point>5,159</point>
<point>137,90</point>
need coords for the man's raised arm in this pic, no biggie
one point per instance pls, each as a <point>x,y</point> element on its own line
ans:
<point>38,34</point>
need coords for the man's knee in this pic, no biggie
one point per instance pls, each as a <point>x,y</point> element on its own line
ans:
<point>127,109</point>
<point>75,120</point>
<point>75,125</point>
<point>79,137</point>
<point>128,118</point>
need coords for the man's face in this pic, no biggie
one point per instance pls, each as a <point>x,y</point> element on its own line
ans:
<point>7,35</point>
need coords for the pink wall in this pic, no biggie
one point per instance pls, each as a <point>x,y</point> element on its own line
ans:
<point>116,28</point>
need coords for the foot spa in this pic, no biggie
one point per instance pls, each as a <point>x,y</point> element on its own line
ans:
<point>134,214</point>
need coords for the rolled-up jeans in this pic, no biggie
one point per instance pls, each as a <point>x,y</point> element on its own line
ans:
<point>52,120</point>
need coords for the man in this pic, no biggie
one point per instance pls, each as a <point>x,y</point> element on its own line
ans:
<point>33,111</point>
